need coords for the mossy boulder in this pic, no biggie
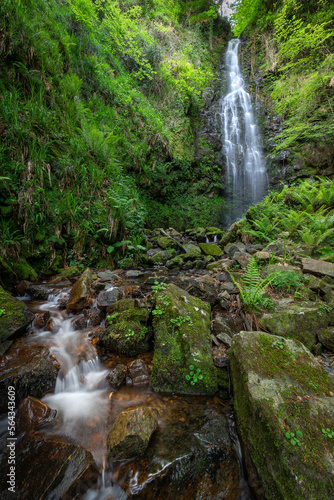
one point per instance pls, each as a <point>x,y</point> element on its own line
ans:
<point>192,251</point>
<point>126,329</point>
<point>164,242</point>
<point>279,389</point>
<point>298,321</point>
<point>175,263</point>
<point>211,249</point>
<point>326,337</point>
<point>160,258</point>
<point>80,294</point>
<point>14,316</point>
<point>182,344</point>
<point>130,434</point>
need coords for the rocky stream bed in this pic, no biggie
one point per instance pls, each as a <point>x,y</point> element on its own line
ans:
<point>132,383</point>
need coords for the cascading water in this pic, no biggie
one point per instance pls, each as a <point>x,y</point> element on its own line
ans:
<point>246,177</point>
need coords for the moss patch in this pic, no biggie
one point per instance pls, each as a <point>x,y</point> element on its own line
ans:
<point>182,344</point>
<point>279,387</point>
<point>14,316</point>
<point>211,249</point>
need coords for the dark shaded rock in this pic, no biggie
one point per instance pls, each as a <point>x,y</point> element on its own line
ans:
<point>95,316</point>
<point>203,287</point>
<point>130,434</point>
<point>32,413</point>
<point>138,373</point>
<point>232,248</point>
<point>280,388</point>
<point>116,377</point>
<point>221,325</point>
<point>225,339</point>
<point>79,323</point>
<point>190,456</point>
<point>41,319</point>
<point>228,287</point>
<point>31,373</point>
<point>182,339</point>
<point>38,292</point>
<point>326,337</point>
<point>224,277</point>
<point>80,295</point>
<point>36,478</point>
<point>108,297</point>
<point>175,263</point>
<point>252,249</point>
<point>14,318</point>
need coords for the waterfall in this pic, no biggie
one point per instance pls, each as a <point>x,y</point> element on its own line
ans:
<point>246,177</point>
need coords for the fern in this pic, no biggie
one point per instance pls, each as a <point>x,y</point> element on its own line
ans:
<point>252,287</point>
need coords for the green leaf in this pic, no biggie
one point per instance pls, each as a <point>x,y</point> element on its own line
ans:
<point>110,249</point>
<point>299,434</point>
<point>293,442</point>
<point>191,367</point>
<point>287,434</point>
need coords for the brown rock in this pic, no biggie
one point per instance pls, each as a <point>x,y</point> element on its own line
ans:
<point>41,319</point>
<point>31,413</point>
<point>321,267</point>
<point>80,295</point>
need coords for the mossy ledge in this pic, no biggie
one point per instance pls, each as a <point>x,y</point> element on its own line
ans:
<point>279,387</point>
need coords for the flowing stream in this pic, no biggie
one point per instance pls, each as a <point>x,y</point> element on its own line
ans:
<point>246,177</point>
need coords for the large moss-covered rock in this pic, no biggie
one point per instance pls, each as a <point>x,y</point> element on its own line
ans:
<point>182,340</point>
<point>279,389</point>
<point>211,249</point>
<point>31,373</point>
<point>164,242</point>
<point>14,316</point>
<point>326,337</point>
<point>130,434</point>
<point>193,251</point>
<point>80,294</point>
<point>298,321</point>
<point>126,331</point>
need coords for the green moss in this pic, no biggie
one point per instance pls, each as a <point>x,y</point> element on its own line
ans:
<point>211,249</point>
<point>275,391</point>
<point>15,317</point>
<point>180,344</point>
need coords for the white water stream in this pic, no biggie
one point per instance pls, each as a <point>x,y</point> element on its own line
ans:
<point>246,177</point>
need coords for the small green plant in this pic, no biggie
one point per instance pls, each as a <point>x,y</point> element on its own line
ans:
<point>294,438</point>
<point>110,317</point>
<point>180,320</point>
<point>157,287</point>
<point>328,433</point>
<point>194,375</point>
<point>279,344</point>
<point>287,280</point>
<point>2,312</point>
<point>158,311</point>
<point>129,333</point>
<point>325,308</point>
<point>252,287</point>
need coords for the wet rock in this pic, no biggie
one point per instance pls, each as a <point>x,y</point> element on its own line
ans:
<point>14,317</point>
<point>211,249</point>
<point>231,234</point>
<point>326,337</point>
<point>134,274</point>
<point>79,323</point>
<point>318,267</point>
<point>106,276</point>
<point>108,297</point>
<point>190,456</point>
<point>32,374</point>
<point>38,292</point>
<point>116,377</point>
<point>45,469</point>
<point>193,251</point>
<point>280,388</point>
<point>80,295</point>
<point>197,234</point>
<point>138,373</point>
<point>130,434</point>
<point>126,331</point>
<point>41,319</point>
<point>182,339</point>
<point>22,286</point>
<point>95,316</point>
<point>232,248</point>
<point>242,258</point>
<point>298,321</point>
<point>225,339</point>
<point>31,413</point>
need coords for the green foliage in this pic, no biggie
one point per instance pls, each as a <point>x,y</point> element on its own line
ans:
<point>287,280</point>
<point>252,287</point>
<point>294,438</point>
<point>180,320</point>
<point>328,433</point>
<point>301,210</point>
<point>93,95</point>
<point>2,312</point>
<point>194,375</point>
